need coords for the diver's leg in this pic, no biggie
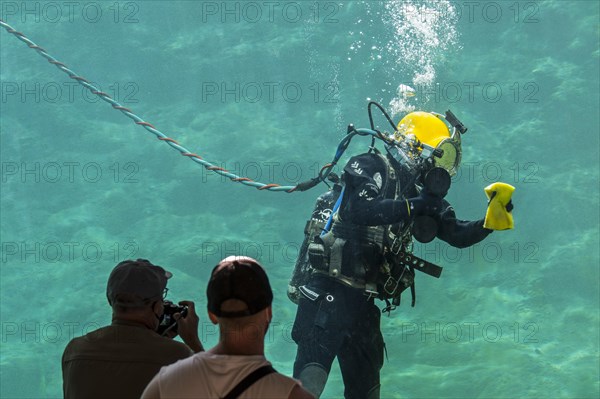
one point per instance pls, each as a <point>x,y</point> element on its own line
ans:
<point>361,356</point>
<point>313,377</point>
<point>318,331</point>
<point>314,356</point>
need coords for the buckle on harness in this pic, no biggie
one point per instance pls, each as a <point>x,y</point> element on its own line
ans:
<point>391,285</point>
<point>396,246</point>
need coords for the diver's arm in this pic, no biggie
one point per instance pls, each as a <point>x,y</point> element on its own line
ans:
<point>364,202</point>
<point>375,211</point>
<point>460,233</point>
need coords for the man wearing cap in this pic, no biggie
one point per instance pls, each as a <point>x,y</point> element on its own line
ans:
<point>239,301</point>
<point>119,360</point>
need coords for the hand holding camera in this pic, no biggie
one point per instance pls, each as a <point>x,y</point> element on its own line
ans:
<point>168,322</point>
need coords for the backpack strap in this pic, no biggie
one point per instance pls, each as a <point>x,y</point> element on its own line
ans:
<point>249,380</point>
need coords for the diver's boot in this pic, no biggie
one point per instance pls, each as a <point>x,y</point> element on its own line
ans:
<point>374,392</point>
<point>314,377</point>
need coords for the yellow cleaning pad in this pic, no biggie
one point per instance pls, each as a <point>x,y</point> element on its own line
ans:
<point>497,217</point>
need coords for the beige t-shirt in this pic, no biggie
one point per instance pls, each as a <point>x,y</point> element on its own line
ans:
<point>206,375</point>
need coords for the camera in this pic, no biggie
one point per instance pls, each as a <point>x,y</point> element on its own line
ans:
<point>168,323</point>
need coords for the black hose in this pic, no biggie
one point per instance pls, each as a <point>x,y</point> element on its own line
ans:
<point>382,111</point>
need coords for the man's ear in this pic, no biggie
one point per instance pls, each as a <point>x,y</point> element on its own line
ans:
<point>156,308</point>
<point>213,318</point>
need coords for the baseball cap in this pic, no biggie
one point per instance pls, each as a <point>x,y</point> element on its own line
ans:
<point>241,278</point>
<point>138,278</point>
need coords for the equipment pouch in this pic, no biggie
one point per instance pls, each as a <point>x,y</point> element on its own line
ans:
<point>316,254</point>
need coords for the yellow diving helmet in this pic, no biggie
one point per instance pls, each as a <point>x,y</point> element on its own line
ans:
<point>430,129</point>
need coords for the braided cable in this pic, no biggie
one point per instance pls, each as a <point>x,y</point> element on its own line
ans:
<point>139,121</point>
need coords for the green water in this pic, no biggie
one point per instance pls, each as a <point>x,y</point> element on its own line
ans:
<point>267,90</point>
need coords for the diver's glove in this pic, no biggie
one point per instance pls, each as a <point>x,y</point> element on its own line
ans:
<point>425,204</point>
<point>423,211</point>
<point>498,215</point>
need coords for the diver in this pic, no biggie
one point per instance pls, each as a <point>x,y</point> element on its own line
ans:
<point>358,243</point>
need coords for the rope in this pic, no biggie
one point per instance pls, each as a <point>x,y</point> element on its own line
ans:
<point>139,121</point>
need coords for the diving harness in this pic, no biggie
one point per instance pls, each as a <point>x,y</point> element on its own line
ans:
<point>384,265</point>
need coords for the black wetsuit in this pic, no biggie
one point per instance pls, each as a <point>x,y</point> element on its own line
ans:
<point>341,321</point>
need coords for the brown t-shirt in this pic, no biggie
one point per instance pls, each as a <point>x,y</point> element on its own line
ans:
<point>116,361</point>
